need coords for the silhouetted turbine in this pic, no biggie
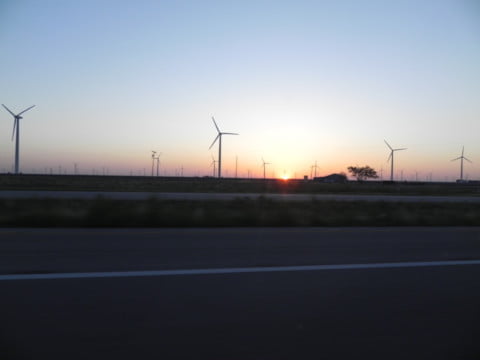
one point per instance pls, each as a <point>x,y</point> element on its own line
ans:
<point>153,160</point>
<point>461,158</point>
<point>213,164</point>
<point>16,127</point>
<point>219,137</point>
<point>391,157</point>
<point>314,168</point>
<point>264,165</point>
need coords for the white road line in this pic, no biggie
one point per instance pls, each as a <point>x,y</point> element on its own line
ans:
<point>220,271</point>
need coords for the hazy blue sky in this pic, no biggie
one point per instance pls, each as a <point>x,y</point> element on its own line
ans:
<point>299,80</point>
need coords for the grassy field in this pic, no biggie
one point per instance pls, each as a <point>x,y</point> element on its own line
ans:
<point>187,184</point>
<point>240,212</point>
<point>102,212</point>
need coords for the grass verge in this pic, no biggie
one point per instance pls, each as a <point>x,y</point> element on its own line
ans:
<point>240,212</point>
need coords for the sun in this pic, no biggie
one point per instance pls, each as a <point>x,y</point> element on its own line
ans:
<point>285,177</point>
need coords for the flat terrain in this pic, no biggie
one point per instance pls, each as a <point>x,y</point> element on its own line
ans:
<point>414,297</point>
<point>137,196</point>
<point>135,201</point>
<point>151,184</point>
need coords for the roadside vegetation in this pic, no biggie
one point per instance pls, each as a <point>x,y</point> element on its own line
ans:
<point>103,212</point>
<point>228,185</point>
<point>240,212</point>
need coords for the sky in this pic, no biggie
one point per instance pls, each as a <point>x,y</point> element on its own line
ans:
<point>301,81</point>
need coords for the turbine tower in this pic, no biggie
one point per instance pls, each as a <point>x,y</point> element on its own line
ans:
<point>264,166</point>
<point>158,161</point>
<point>461,158</point>
<point>16,128</point>
<point>392,151</point>
<point>314,169</point>
<point>213,164</point>
<point>153,160</point>
<point>219,137</point>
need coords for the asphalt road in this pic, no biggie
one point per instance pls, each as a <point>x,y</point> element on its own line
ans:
<point>376,293</point>
<point>86,195</point>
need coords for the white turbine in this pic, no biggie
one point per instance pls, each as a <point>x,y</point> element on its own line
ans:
<point>392,151</point>
<point>16,128</point>
<point>219,137</point>
<point>461,158</point>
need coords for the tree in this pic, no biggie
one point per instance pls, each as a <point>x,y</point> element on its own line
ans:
<point>362,173</point>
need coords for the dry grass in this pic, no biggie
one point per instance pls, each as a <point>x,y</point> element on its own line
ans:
<point>240,212</point>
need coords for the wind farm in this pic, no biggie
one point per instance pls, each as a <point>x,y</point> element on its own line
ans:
<point>216,164</point>
<point>240,179</point>
<point>106,98</point>
<point>294,99</point>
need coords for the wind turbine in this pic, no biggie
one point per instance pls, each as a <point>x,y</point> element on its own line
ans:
<point>16,127</point>
<point>158,161</point>
<point>314,168</point>
<point>392,151</point>
<point>264,165</point>
<point>461,162</point>
<point>213,164</point>
<point>153,160</point>
<point>219,137</point>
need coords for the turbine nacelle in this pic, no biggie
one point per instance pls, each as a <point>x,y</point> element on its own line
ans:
<point>265,163</point>
<point>392,150</point>
<point>462,157</point>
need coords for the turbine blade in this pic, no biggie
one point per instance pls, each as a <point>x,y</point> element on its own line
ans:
<point>214,141</point>
<point>25,110</point>
<point>14,127</point>
<point>8,110</point>
<point>214,123</point>
<point>391,153</point>
<point>467,159</point>
<point>457,158</point>
<point>387,144</point>
<point>399,149</point>
<point>225,133</point>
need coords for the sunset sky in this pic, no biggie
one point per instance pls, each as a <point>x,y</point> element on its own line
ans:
<point>300,81</point>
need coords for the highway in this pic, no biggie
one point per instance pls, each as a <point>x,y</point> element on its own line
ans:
<point>264,293</point>
<point>89,195</point>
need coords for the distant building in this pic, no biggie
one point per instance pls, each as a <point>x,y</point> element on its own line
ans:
<point>332,178</point>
